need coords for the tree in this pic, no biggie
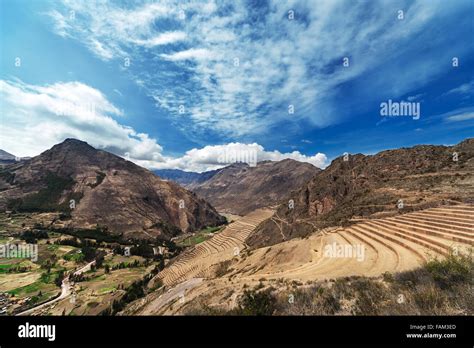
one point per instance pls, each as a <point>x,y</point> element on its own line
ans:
<point>142,249</point>
<point>99,260</point>
<point>59,278</point>
<point>88,252</point>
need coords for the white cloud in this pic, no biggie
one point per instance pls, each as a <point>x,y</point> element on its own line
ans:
<point>194,53</point>
<point>461,117</point>
<point>218,156</point>
<point>34,118</point>
<point>109,30</point>
<point>456,115</point>
<point>465,88</point>
<point>245,67</point>
<point>162,39</point>
<point>61,25</point>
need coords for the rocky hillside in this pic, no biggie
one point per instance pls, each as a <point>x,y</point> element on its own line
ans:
<point>389,182</point>
<point>96,190</point>
<point>240,189</point>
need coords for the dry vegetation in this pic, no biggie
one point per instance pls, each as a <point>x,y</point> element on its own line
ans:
<point>440,287</point>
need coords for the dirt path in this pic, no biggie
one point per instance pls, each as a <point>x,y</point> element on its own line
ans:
<point>175,294</point>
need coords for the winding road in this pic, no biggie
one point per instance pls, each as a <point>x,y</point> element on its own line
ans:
<point>66,290</point>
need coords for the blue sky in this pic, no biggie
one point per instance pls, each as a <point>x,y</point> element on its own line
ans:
<point>174,84</point>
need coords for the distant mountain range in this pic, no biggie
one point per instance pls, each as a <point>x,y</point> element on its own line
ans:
<point>240,189</point>
<point>104,192</point>
<point>8,158</point>
<point>120,198</point>
<point>185,178</point>
<point>389,182</point>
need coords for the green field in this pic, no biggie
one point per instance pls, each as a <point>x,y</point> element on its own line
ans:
<point>74,255</point>
<point>30,283</point>
<point>106,290</point>
<point>199,237</point>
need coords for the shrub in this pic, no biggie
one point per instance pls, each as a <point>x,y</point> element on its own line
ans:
<point>257,303</point>
<point>32,236</point>
<point>98,179</point>
<point>222,268</point>
<point>451,271</point>
<point>429,299</point>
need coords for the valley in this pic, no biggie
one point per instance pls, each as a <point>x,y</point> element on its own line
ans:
<point>209,173</point>
<point>72,276</point>
<point>282,228</point>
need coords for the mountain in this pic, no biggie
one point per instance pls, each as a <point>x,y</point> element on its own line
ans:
<point>386,183</point>
<point>7,158</point>
<point>185,178</point>
<point>109,194</point>
<point>240,189</point>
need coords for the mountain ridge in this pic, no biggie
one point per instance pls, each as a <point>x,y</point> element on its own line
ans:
<point>183,177</point>
<point>240,188</point>
<point>388,182</point>
<point>98,189</point>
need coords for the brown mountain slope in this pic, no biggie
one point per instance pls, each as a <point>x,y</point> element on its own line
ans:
<point>109,193</point>
<point>240,189</point>
<point>386,183</point>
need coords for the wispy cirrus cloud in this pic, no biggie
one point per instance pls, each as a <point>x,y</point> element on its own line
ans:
<point>110,30</point>
<point>465,88</point>
<point>456,115</point>
<point>233,69</point>
<point>461,117</point>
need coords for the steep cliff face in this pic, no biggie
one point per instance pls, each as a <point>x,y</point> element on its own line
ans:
<point>100,190</point>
